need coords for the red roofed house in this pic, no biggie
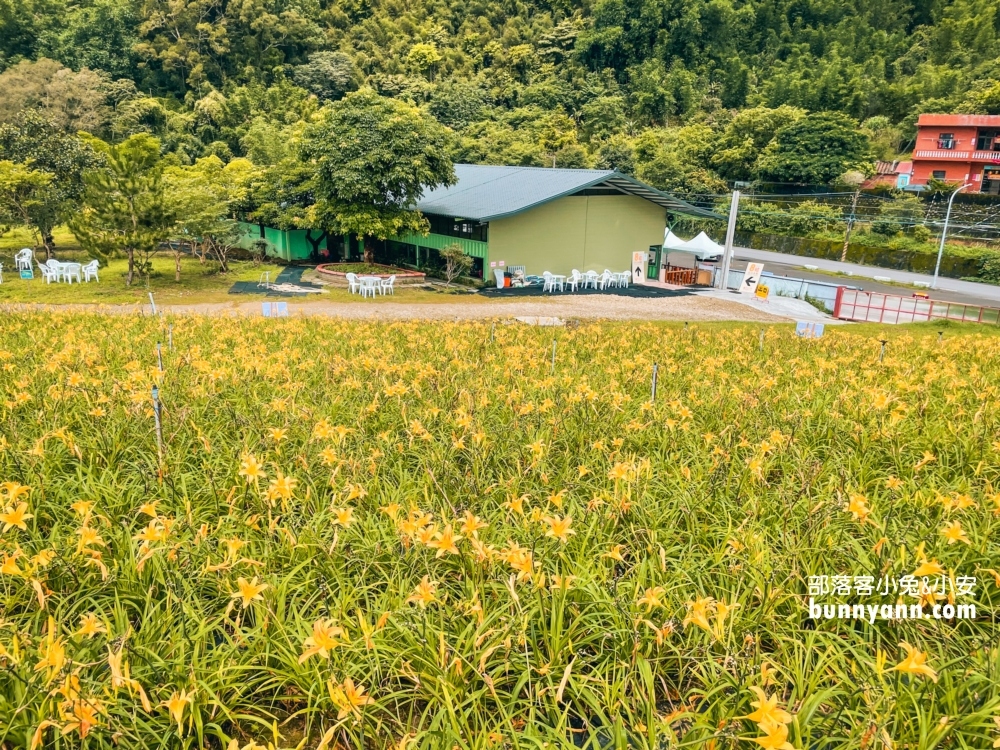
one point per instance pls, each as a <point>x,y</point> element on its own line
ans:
<point>892,173</point>
<point>958,148</point>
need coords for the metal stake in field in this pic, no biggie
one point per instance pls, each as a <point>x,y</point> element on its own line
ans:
<point>656,368</point>
<point>159,423</point>
<point>152,304</point>
<point>159,356</point>
<point>881,354</point>
<point>553,356</point>
<point>493,330</point>
<point>170,337</point>
<point>762,339</point>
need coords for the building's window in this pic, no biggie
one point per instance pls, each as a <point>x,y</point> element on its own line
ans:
<point>988,140</point>
<point>946,140</point>
<point>470,230</point>
<point>937,174</point>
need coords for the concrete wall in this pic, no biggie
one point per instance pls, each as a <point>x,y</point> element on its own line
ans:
<point>588,233</point>
<point>289,245</point>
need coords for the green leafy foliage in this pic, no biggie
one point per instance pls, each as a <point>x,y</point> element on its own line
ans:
<point>124,203</point>
<point>815,149</point>
<point>373,157</point>
<point>456,262</point>
<point>34,141</point>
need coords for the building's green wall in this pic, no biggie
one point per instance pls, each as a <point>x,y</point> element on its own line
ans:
<point>588,233</point>
<point>289,244</point>
<point>475,248</point>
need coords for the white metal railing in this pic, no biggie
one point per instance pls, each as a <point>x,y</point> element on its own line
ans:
<point>941,154</point>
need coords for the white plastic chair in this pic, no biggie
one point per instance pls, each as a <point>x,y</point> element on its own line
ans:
<point>387,285</point>
<point>48,274</point>
<point>91,270</point>
<point>22,261</point>
<point>574,279</point>
<point>547,281</point>
<point>71,271</point>
<point>56,268</point>
<point>368,287</point>
<point>352,282</point>
<point>625,278</point>
<point>606,279</point>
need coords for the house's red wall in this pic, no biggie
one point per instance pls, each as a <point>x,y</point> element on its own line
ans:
<point>955,171</point>
<point>927,137</point>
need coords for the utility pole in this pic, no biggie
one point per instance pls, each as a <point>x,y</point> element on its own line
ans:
<point>944,232</point>
<point>727,253</point>
<point>850,223</point>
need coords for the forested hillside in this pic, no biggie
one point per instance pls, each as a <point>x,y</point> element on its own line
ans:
<point>685,93</point>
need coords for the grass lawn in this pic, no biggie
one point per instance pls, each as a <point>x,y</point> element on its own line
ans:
<point>199,283</point>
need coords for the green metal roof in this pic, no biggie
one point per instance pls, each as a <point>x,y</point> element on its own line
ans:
<point>486,192</point>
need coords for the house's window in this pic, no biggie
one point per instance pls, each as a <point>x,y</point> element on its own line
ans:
<point>987,140</point>
<point>946,140</point>
<point>937,174</point>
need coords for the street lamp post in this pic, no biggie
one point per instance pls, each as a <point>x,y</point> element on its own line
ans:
<point>944,232</point>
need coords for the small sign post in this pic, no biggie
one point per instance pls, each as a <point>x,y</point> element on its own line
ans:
<point>639,260</point>
<point>751,277</point>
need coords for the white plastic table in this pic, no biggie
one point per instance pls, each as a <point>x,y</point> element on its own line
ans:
<point>369,284</point>
<point>557,278</point>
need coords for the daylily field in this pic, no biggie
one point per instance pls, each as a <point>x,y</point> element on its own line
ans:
<point>364,535</point>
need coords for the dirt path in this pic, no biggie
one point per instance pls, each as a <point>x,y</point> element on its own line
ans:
<point>592,306</point>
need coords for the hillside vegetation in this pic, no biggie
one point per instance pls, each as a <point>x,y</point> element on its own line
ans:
<point>685,93</point>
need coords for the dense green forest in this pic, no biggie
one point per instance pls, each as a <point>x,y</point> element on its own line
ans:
<point>688,93</point>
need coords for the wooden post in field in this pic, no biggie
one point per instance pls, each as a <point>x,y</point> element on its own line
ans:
<point>762,339</point>
<point>170,337</point>
<point>656,368</point>
<point>159,356</point>
<point>553,356</point>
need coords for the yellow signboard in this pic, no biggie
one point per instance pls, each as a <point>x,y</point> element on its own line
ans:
<point>762,291</point>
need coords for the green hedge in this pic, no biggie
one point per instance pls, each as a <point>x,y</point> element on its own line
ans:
<point>868,255</point>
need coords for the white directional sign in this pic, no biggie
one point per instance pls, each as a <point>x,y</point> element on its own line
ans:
<point>638,267</point>
<point>751,277</point>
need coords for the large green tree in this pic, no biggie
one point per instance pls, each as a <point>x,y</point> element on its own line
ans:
<point>816,149</point>
<point>125,208</point>
<point>745,136</point>
<point>374,157</point>
<point>33,139</point>
<point>204,198</point>
<point>22,192</point>
<point>72,100</point>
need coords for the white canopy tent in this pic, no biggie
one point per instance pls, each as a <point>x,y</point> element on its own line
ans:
<point>702,246</point>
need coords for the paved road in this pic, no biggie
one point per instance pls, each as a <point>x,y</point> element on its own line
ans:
<point>950,290</point>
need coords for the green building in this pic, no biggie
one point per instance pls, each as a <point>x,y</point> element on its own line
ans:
<point>542,219</point>
<point>539,218</point>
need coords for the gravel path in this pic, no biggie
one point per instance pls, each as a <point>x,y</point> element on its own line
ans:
<point>608,307</point>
